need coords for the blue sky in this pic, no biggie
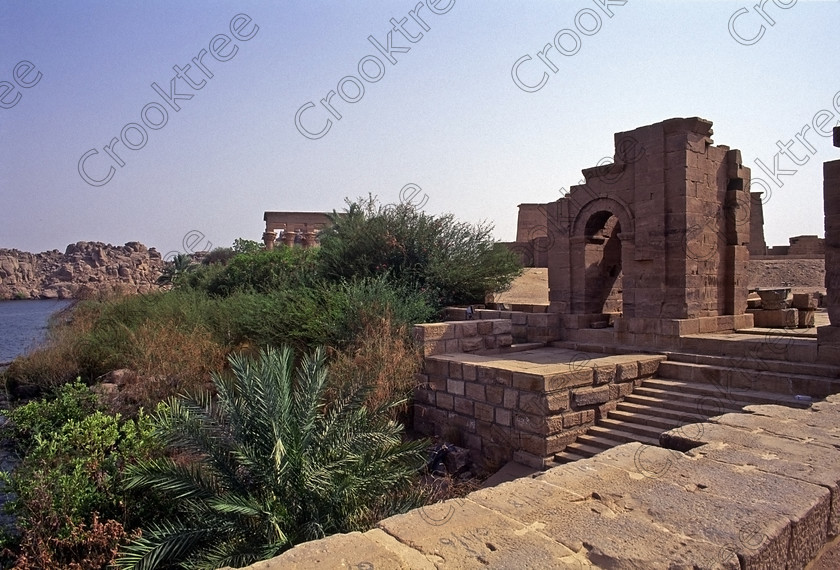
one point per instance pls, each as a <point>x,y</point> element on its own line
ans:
<point>448,117</point>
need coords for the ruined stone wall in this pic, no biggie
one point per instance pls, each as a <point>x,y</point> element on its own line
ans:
<point>84,269</point>
<point>802,247</point>
<point>465,336</point>
<point>531,223</point>
<point>757,244</point>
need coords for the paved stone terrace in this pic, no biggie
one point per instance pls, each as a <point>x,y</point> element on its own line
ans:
<point>754,490</point>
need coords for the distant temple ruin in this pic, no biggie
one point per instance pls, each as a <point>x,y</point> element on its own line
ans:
<point>293,228</point>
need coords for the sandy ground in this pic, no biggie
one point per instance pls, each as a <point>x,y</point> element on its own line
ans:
<point>802,275</point>
<point>529,288</point>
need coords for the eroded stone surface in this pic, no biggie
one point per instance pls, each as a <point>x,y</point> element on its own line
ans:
<point>751,493</point>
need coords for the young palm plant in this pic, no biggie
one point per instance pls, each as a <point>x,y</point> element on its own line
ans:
<point>269,463</point>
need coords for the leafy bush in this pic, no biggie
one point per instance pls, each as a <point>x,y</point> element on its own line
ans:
<point>456,261</point>
<point>175,269</point>
<point>266,271</point>
<point>71,475</point>
<point>86,547</point>
<point>72,402</point>
<point>330,314</point>
<point>272,463</point>
<point>241,245</point>
<point>219,255</point>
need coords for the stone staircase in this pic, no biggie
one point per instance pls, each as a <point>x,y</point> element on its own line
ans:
<point>690,388</point>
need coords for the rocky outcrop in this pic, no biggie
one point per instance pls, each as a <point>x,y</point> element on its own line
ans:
<point>84,270</point>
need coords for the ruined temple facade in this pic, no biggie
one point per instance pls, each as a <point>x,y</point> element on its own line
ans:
<point>293,228</point>
<point>658,241</point>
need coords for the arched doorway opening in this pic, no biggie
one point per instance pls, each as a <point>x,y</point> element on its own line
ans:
<point>602,254</point>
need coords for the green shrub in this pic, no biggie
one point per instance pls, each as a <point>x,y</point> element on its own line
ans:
<point>241,245</point>
<point>220,255</point>
<point>455,261</point>
<point>72,402</point>
<point>266,271</point>
<point>70,475</point>
<point>329,314</point>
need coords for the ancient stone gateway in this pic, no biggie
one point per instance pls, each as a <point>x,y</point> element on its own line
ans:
<point>656,242</point>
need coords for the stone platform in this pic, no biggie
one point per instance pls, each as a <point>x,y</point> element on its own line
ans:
<point>754,490</point>
<point>523,406</point>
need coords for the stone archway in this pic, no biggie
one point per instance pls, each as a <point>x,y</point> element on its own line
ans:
<point>600,251</point>
<point>603,268</point>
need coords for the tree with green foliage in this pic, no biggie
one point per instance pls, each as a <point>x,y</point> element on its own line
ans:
<point>241,245</point>
<point>180,264</point>
<point>456,261</point>
<point>271,463</point>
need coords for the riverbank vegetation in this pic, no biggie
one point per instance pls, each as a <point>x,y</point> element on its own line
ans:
<point>254,403</point>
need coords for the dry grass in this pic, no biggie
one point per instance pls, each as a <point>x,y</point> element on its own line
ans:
<point>384,357</point>
<point>165,361</point>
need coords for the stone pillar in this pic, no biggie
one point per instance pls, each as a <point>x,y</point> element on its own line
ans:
<point>828,338</point>
<point>757,244</point>
<point>289,237</point>
<point>269,237</point>
<point>309,238</point>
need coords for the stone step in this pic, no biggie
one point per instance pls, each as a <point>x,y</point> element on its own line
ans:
<point>598,441</point>
<point>665,401</point>
<point>748,379</point>
<point>752,347</point>
<point>681,417</point>
<point>654,421</point>
<point>706,401</point>
<point>612,435</point>
<point>681,393</point>
<point>743,396</point>
<point>568,456</point>
<point>576,450</point>
<point>763,364</point>
<point>605,438</point>
<point>630,426</point>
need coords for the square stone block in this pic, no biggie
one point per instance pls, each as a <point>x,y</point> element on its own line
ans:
<point>591,396</point>
<point>805,301</point>
<point>806,318</point>
<point>777,318</point>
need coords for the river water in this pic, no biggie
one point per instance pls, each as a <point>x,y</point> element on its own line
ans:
<point>23,325</point>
